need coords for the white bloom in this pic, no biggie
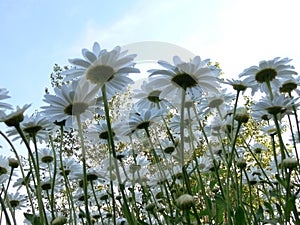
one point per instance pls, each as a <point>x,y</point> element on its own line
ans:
<point>77,98</point>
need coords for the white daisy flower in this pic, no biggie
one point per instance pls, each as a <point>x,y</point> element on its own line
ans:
<point>17,200</point>
<point>14,118</point>
<point>36,125</point>
<point>140,120</point>
<point>149,97</point>
<point>104,67</point>
<point>290,85</point>
<point>99,132</point>
<point>190,76</point>
<point>279,105</point>
<point>68,166</point>
<point>77,98</point>
<point>271,71</point>
<point>238,85</point>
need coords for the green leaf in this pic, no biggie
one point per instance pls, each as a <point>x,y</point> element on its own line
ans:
<point>34,220</point>
<point>289,207</point>
<point>212,184</point>
<point>282,182</point>
<point>239,216</point>
<point>269,207</point>
<point>259,213</point>
<point>220,201</point>
<point>278,207</point>
<point>127,214</point>
<point>203,213</point>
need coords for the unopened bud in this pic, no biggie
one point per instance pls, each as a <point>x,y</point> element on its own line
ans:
<point>150,207</point>
<point>185,201</point>
<point>241,163</point>
<point>59,220</point>
<point>13,163</point>
<point>241,115</point>
<point>289,163</point>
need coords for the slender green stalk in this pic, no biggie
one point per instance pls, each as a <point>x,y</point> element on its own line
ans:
<point>129,216</point>
<point>250,195</point>
<point>85,183</point>
<point>37,176</point>
<point>22,171</point>
<point>3,208</point>
<point>281,143</point>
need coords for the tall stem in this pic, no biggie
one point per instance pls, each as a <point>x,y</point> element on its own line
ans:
<point>85,184</point>
<point>37,175</point>
<point>127,211</point>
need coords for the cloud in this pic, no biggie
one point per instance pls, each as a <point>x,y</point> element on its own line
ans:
<point>237,34</point>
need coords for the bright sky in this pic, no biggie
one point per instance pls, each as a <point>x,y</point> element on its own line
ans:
<point>36,34</point>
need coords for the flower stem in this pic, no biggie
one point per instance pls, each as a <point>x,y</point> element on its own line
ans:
<point>127,212</point>
<point>36,170</point>
<point>85,184</point>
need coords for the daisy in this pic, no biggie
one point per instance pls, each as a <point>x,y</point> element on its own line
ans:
<point>261,116</point>
<point>258,148</point>
<point>290,85</point>
<point>70,167</point>
<point>100,132</point>
<point>141,120</point>
<point>238,85</point>
<point>190,76</point>
<point>279,104</point>
<point>36,125</point>
<point>17,200</point>
<point>149,97</point>
<point>271,71</point>
<point>204,163</point>
<point>104,67</point>
<point>215,100</point>
<point>3,95</point>
<point>46,156</point>
<point>69,101</point>
<point>14,118</point>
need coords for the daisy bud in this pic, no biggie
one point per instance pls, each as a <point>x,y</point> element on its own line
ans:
<point>46,186</point>
<point>185,201</point>
<point>59,220</point>
<point>241,163</point>
<point>241,115</point>
<point>13,163</point>
<point>289,163</point>
<point>150,207</point>
<point>109,215</point>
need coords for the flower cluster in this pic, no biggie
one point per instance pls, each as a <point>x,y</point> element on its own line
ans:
<point>191,148</point>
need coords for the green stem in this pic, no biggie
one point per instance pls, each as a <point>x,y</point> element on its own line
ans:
<point>22,171</point>
<point>66,180</point>
<point>250,195</point>
<point>85,184</point>
<point>127,212</point>
<point>281,143</point>
<point>37,176</point>
<point>3,208</point>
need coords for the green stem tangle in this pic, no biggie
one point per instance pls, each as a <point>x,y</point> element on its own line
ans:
<point>126,210</point>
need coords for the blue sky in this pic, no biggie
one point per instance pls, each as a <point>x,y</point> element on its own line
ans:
<point>36,34</point>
